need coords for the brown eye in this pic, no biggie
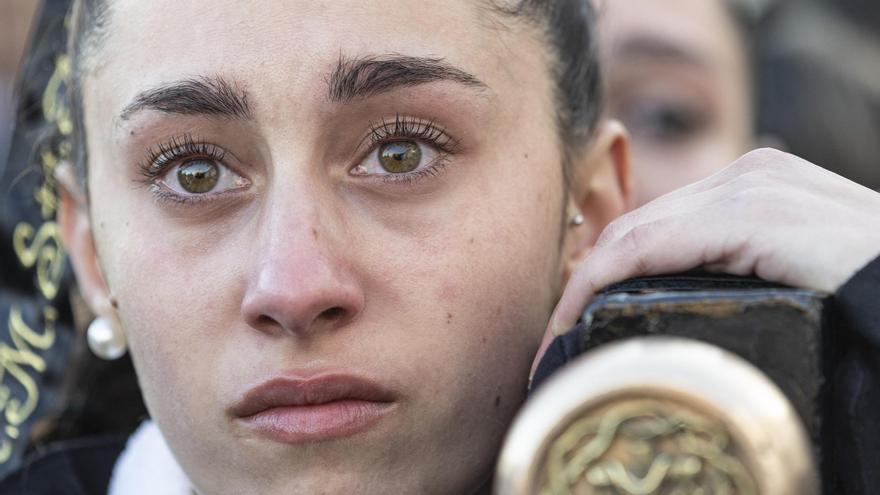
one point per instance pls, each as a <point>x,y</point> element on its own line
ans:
<point>198,176</point>
<point>400,156</point>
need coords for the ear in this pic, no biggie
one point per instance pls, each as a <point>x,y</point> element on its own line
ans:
<point>600,189</point>
<point>76,234</point>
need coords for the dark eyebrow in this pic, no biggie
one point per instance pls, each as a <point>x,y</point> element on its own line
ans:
<point>644,47</point>
<point>211,95</point>
<point>367,76</point>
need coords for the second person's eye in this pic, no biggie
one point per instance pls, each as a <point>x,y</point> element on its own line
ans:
<point>664,121</point>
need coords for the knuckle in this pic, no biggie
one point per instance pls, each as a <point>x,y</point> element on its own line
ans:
<point>613,230</point>
<point>636,240</point>
<point>763,159</point>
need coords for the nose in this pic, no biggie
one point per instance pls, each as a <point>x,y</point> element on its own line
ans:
<point>301,283</point>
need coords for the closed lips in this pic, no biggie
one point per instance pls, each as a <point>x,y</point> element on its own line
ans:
<point>291,392</point>
<point>296,410</point>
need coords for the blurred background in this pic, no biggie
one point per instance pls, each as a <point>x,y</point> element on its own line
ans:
<point>16,17</point>
<point>700,82</point>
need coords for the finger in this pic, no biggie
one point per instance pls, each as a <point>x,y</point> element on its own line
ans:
<point>668,245</point>
<point>758,163</point>
<point>695,200</point>
<point>674,232</point>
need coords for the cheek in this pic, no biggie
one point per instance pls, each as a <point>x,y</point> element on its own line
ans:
<point>177,298</point>
<point>488,278</point>
<point>665,167</point>
<point>492,252</point>
<point>471,311</point>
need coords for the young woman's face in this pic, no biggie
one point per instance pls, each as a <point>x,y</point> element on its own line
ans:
<point>333,232</point>
<point>678,78</point>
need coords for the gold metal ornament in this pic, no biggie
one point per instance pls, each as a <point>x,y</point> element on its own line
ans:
<point>657,416</point>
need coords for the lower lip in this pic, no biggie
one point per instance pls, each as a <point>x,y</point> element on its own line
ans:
<point>316,422</point>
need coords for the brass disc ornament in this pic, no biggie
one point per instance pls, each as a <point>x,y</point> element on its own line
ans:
<point>657,416</point>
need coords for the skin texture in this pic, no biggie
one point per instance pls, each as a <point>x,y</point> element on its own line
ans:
<point>678,77</point>
<point>437,288</point>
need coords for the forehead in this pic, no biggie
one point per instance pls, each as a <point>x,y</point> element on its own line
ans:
<point>212,28</point>
<point>703,28</point>
<point>295,43</point>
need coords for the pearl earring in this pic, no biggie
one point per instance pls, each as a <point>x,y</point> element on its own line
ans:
<point>577,220</point>
<point>105,339</point>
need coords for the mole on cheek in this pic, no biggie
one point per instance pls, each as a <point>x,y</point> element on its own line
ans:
<point>314,233</point>
<point>448,318</point>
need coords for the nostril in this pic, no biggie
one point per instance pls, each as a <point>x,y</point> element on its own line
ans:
<point>266,321</point>
<point>333,314</point>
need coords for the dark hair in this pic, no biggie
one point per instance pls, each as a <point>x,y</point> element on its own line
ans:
<point>568,25</point>
<point>87,28</point>
<point>569,28</point>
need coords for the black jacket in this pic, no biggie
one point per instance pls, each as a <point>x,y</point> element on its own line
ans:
<point>76,467</point>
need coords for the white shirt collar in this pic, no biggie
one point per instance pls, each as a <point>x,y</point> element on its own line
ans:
<point>147,467</point>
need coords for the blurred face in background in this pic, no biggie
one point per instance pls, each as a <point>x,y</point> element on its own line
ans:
<point>678,76</point>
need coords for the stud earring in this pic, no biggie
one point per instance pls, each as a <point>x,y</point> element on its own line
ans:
<point>106,340</point>
<point>577,220</point>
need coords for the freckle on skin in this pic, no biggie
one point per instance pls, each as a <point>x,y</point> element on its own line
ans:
<point>448,318</point>
<point>114,303</point>
<point>314,233</point>
<point>471,240</point>
<point>484,340</point>
<point>497,400</point>
<point>526,156</point>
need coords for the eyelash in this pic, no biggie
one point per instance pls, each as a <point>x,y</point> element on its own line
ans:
<point>177,148</point>
<point>164,155</point>
<point>404,128</point>
<point>187,147</point>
